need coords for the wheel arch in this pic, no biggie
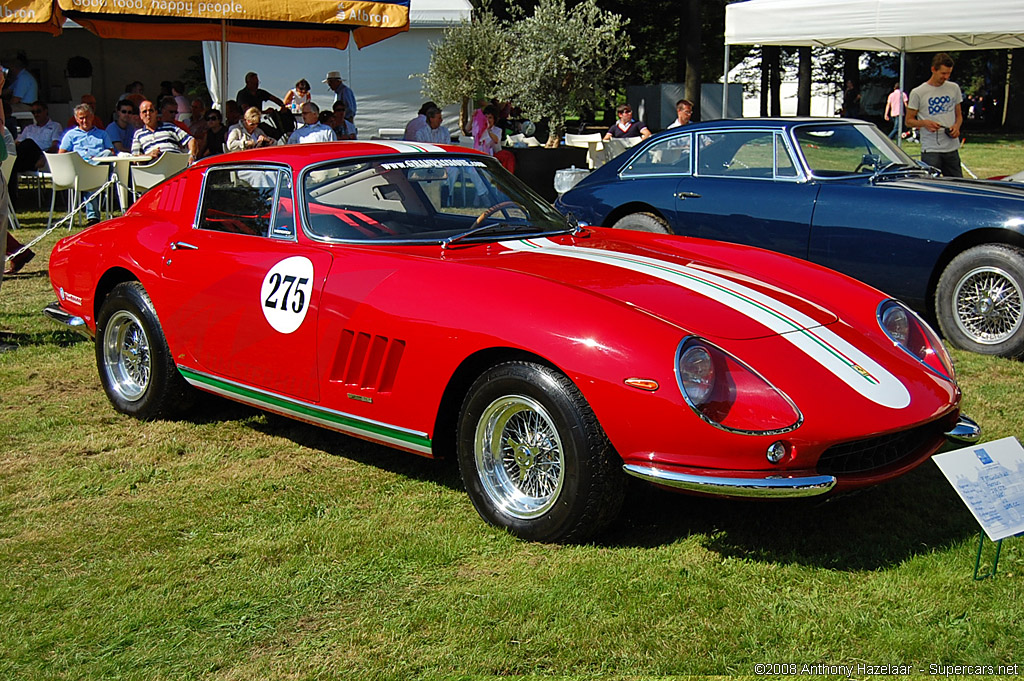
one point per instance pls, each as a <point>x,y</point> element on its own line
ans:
<point>968,240</point>
<point>446,421</point>
<point>106,284</point>
<point>633,207</point>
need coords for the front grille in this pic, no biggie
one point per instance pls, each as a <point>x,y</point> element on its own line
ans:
<point>861,456</point>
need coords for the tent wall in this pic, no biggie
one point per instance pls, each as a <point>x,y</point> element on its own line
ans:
<point>386,95</point>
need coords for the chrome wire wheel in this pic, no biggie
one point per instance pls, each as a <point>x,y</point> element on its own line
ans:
<point>519,456</point>
<point>126,356</point>
<point>989,305</point>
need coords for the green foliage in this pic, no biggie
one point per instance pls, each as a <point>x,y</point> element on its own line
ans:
<point>563,60</point>
<point>465,64</point>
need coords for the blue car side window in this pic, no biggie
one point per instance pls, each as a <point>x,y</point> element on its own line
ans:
<point>667,157</point>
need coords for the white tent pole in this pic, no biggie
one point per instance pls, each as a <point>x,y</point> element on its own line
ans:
<point>725,83</point>
<point>223,63</point>
<point>903,107</point>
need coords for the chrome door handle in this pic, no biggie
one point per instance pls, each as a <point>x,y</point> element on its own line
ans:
<point>183,246</point>
<point>687,195</point>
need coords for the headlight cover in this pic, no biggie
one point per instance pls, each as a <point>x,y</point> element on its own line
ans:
<point>728,394</point>
<point>914,336</point>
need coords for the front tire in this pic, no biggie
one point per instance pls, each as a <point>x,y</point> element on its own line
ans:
<point>980,300</point>
<point>135,365</point>
<point>643,222</point>
<point>533,457</point>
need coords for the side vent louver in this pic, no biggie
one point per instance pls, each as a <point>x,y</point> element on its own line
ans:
<point>367,362</point>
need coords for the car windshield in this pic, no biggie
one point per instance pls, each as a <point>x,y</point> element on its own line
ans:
<point>842,150</point>
<point>422,198</point>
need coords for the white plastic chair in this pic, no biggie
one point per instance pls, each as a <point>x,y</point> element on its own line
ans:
<point>72,172</point>
<point>581,140</point>
<point>150,175</point>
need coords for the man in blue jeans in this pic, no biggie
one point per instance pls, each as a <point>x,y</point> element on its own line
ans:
<point>89,141</point>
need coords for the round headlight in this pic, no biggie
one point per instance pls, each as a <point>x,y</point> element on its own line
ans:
<point>896,323</point>
<point>697,374</point>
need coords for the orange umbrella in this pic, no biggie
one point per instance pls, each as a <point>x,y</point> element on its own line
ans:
<point>30,15</point>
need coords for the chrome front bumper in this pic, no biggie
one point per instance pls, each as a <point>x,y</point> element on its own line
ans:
<point>58,314</point>
<point>761,486</point>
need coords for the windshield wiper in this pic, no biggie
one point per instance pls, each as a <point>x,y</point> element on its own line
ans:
<point>497,227</point>
<point>893,168</point>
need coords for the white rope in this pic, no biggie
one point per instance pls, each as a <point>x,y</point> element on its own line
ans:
<point>70,216</point>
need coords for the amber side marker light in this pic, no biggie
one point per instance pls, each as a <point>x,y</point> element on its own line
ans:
<point>648,384</point>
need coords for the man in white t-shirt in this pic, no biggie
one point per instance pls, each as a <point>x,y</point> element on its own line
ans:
<point>934,107</point>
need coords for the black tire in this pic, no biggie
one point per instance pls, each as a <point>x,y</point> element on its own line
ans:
<point>554,477</point>
<point>643,222</point>
<point>979,302</point>
<point>135,366</point>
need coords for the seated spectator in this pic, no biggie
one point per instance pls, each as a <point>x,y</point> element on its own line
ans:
<point>312,130</point>
<point>184,107</point>
<point>197,121</point>
<point>215,140</point>
<point>413,126</point>
<point>298,96</point>
<point>626,126</point>
<point>169,113</point>
<point>434,132</point>
<point>43,135</point>
<point>344,128</point>
<point>156,136</point>
<point>232,113</point>
<point>97,119</point>
<point>133,93</point>
<point>87,141</point>
<point>121,131</point>
<point>247,134</point>
<point>21,90</point>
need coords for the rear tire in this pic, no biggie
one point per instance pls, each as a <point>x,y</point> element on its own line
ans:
<point>643,222</point>
<point>135,365</point>
<point>979,302</point>
<point>533,457</point>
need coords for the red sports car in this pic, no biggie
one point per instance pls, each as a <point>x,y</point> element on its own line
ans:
<point>421,297</point>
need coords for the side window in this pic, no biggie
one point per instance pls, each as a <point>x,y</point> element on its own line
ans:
<point>668,157</point>
<point>736,154</point>
<point>284,216</point>
<point>784,165</point>
<point>239,200</point>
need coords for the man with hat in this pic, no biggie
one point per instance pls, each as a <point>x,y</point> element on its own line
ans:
<point>342,93</point>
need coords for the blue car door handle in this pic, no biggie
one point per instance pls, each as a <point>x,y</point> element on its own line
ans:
<point>687,195</point>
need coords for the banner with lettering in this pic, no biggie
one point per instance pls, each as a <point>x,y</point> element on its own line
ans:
<point>311,23</point>
<point>30,15</point>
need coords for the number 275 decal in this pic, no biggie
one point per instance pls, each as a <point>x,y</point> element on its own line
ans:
<point>285,293</point>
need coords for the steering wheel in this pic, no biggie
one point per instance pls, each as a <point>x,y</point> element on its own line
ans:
<point>494,209</point>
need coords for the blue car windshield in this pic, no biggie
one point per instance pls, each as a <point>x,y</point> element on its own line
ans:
<point>841,150</point>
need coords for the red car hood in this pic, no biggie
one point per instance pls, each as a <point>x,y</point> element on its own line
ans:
<point>717,290</point>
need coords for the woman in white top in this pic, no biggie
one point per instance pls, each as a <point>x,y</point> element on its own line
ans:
<point>488,138</point>
<point>298,96</point>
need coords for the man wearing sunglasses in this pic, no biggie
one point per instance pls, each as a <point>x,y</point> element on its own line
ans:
<point>156,136</point>
<point>121,131</point>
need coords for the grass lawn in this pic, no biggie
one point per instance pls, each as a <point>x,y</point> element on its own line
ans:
<point>238,545</point>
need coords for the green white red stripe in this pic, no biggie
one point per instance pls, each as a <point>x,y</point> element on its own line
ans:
<point>369,429</point>
<point>835,354</point>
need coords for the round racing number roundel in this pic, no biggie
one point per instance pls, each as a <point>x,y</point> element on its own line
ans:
<point>285,294</point>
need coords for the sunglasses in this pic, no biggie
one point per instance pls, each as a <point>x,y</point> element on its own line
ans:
<point>212,118</point>
<point>126,111</point>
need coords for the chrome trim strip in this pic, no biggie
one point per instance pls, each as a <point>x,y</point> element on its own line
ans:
<point>966,431</point>
<point>769,486</point>
<point>74,323</point>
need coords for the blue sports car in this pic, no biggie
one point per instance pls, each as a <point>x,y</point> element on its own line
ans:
<point>838,193</point>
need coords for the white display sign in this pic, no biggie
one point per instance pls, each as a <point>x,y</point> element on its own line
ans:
<point>989,478</point>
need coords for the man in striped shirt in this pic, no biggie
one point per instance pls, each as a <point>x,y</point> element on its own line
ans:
<point>156,137</point>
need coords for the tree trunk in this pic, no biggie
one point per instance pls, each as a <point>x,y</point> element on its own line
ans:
<point>555,133</point>
<point>803,89</point>
<point>775,75</point>
<point>765,80</point>
<point>465,117</point>
<point>694,56</point>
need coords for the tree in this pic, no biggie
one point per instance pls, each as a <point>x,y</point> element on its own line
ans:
<point>465,64</point>
<point>563,61</point>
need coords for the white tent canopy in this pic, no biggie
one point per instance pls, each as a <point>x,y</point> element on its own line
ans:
<point>878,25</point>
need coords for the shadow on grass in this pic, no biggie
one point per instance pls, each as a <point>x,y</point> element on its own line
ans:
<point>865,530</point>
<point>58,337</point>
